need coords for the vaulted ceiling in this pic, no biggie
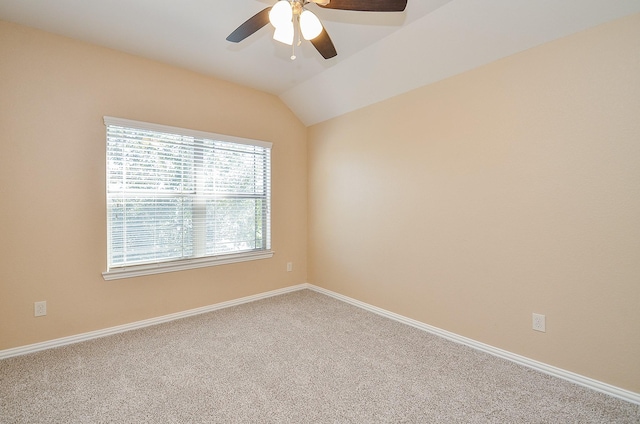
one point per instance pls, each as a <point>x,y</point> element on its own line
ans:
<point>380,55</point>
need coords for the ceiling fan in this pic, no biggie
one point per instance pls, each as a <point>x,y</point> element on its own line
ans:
<point>288,15</point>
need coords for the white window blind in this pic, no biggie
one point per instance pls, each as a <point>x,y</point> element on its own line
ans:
<point>177,196</point>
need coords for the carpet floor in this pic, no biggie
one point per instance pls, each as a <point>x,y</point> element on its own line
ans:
<point>301,357</point>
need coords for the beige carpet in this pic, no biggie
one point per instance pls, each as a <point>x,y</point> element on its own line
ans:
<point>297,358</point>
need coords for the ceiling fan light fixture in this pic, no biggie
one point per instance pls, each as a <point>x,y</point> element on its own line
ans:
<point>290,17</point>
<point>281,14</point>
<point>284,34</point>
<point>310,25</point>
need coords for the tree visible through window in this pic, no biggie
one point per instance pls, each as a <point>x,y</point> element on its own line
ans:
<point>175,194</point>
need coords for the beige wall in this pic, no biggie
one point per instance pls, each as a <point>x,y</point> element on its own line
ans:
<point>511,189</point>
<point>53,94</point>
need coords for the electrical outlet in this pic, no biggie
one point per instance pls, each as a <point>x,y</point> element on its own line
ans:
<point>289,266</point>
<point>40,308</point>
<point>539,323</point>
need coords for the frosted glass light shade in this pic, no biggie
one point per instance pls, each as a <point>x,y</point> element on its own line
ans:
<point>281,13</point>
<point>284,34</point>
<point>310,25</point>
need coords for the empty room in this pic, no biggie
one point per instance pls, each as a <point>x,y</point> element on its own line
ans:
<point>344,211</point>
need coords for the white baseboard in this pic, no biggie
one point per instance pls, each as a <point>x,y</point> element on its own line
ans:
<point>590,383</point>
<point>23,350</point>
<point>539,366</point>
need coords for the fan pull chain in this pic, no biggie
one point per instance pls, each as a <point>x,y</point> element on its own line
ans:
<point>297,29</point>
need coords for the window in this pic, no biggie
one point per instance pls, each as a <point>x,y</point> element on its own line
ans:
<point>180,199</point>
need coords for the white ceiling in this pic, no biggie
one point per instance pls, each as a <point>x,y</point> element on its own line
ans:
<point>379,54</point>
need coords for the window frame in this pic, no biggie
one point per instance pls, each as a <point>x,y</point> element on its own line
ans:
<point>172,265</point>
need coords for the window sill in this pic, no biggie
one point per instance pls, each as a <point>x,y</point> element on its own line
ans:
<point>162,267</point>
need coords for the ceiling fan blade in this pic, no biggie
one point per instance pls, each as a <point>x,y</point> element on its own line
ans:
<point>250,26</point>
<point>367,5</point>
<point>324,45</point>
